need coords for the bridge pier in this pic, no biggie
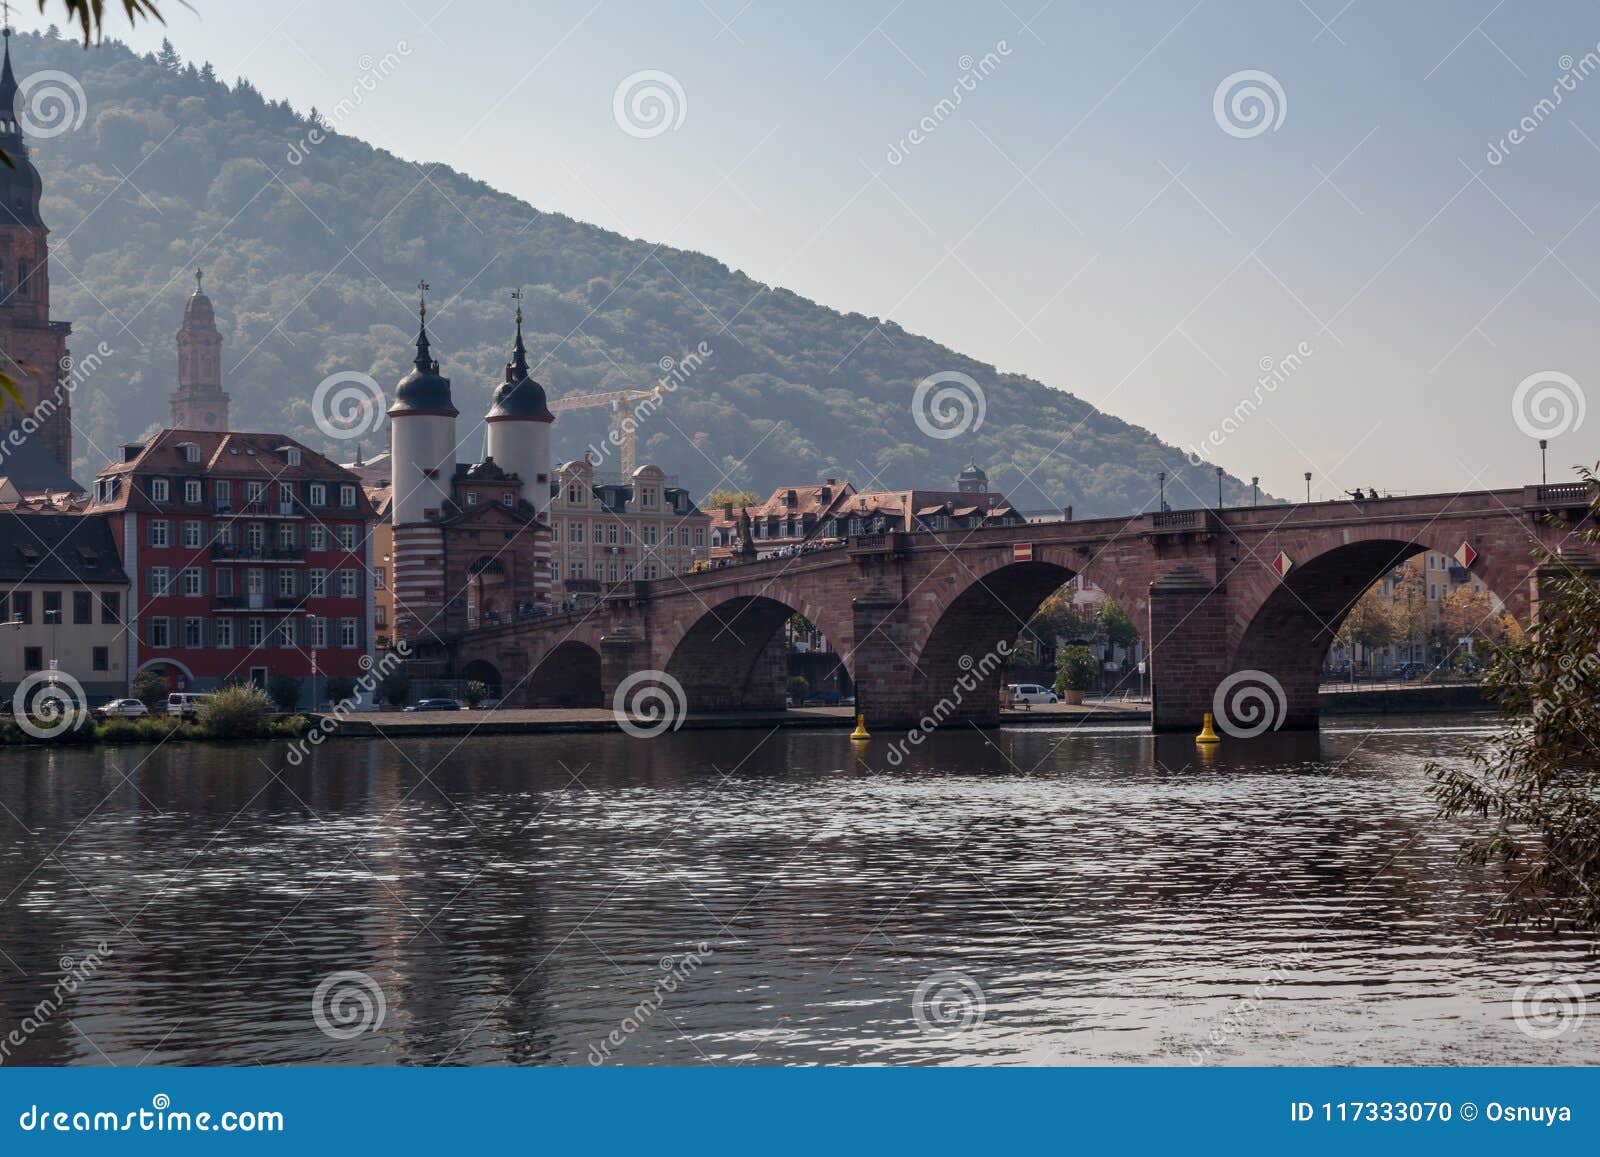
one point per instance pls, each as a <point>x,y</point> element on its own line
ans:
<point>1189,648</point>
<point>887,686</point>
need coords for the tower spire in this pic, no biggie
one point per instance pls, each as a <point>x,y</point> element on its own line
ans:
<point>425,361</point>
<point>9,125</point>
<point>517,367</point>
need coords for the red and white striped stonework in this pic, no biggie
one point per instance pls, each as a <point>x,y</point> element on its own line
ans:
<point>419,592</point>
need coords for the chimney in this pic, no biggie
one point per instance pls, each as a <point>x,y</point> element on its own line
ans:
<point>727,511</point>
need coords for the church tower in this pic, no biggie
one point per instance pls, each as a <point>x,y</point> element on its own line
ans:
<point>27,335</point>
<point>199,403</point>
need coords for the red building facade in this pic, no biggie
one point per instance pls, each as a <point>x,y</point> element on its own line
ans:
<point>250,557</point>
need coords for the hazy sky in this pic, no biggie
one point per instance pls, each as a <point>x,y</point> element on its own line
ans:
<point>1081,214</point>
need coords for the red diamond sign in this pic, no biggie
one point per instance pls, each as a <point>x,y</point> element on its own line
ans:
<point>1465,555</point>
<point>1282,563</point>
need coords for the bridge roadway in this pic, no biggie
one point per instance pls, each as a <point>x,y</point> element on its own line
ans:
<point>1245,600</point>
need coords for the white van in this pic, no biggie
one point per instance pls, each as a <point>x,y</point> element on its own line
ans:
<point>1031,693</point>
<point>186,704</point>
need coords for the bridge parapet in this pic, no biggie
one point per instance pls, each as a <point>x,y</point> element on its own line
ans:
<point>1558,496</point>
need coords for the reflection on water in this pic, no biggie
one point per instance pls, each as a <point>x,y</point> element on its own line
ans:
<point>1115,898</point>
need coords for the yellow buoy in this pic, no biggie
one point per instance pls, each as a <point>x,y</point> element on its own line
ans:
<point>860,734</point>
<point>1208,733</point>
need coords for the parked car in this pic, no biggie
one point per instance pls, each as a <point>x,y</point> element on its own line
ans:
<point>124,708</point>
<point>435,705</point>
<point>186,704</point>
<point>488,704</point>
<point>1031,693</point>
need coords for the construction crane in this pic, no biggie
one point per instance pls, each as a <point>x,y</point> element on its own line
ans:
<point>621,404</point>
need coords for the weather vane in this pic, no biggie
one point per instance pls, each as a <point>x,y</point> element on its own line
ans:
<point>422,298</point>
<point>198,275</point>
<point>516,296</point>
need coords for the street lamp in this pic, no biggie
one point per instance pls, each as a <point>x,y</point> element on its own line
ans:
<point>311,630</point>
<point>1219,487</point>
<point>1308,486</point>
<point>1544,476</point>
<point>1161,478</point>
<point>1255,490</point>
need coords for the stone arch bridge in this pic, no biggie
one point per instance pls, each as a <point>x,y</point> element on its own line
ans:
<point>917,618</point>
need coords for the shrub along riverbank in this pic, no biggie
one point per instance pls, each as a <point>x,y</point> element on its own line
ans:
<point>232,713</point>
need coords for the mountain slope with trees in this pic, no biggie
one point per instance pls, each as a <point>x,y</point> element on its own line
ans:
<point>312,252</point>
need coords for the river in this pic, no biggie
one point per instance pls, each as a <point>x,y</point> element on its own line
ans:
<point>1022,896</point>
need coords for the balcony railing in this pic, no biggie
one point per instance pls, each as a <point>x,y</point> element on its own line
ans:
<point>243,552</point>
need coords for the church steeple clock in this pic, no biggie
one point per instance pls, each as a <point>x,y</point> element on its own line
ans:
<point>199,403</point>
<point>28,338</point>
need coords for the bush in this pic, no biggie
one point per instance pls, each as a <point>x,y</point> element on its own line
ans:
<point>149,688</point>
<point>155,728</point>
<point>285,691</point>
<point>340,688</point>
<point>118,730</point>
<point>291,728</point>
<point>475,693</point>
<point>236,713</point>
<point>1076,669</point>
<point>395,689</point>
<point>798,688</point>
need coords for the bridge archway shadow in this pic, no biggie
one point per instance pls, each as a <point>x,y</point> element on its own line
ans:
<point>569,676</point>
<point>734,656</point>
<point>485,672</point>
<point>962,647</point>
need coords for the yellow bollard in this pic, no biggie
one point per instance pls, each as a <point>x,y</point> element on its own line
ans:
<point>860,734</point>
<point>1208,733</point>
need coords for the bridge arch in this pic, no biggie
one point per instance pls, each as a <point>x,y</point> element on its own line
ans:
<point>732,655</point>
<point>989,604</point>
<point>1287,624</point>
<point>485,672</point>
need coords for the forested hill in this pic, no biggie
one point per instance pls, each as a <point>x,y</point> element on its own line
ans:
<point>312,266</point>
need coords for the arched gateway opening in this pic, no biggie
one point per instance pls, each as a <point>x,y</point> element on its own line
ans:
<point>485,672</point>
<point>1396,609</point>
<point>993,633</point>
<point>569,676</point>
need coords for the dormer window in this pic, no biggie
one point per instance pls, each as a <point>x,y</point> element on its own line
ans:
<point>160,490</point>
<point>347,496</point>
<point>291,455</point>
<point>472,498</point>
<point>508,499</point>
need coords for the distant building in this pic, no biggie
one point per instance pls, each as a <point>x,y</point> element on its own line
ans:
<point>63,594</point>
<point>247,552</point>
<point>610,530</point>
<point>199,403</point>
<point>795,516</point>
<point>33,348</point>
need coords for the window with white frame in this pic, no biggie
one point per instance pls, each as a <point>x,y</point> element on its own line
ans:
<point>349,633</point>
<point>317,537</point>
<point>319,632</point>
<point>161,533</point>
<point>224,582</point>
<point>285,536</point>
<point>160,632</point>
<point>611,535</point>
<point>349,584</point>
<point>699,536</point>
<point>191,534</point>
<point>318,583</point>
<point>194,633</point>
<point>225,533</point>
<point>347,496</point>
<point>224,632</point>
<point>286,583</point>
<point>222,491</point>
<point>255,632</point>
<point>319,494</point>
<point>286,632</point>
<point>193,582</point>
<point>509,498</point>
<point>160,490</point>
<point>255,536</point>
<point>576,532</point>
<point>160,581</point>
<point>347,537</point>
<point>191,490</point>
<point>254,490</point>
<point>191,452</point>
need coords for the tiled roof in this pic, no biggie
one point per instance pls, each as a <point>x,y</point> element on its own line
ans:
<point>58,548</point>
